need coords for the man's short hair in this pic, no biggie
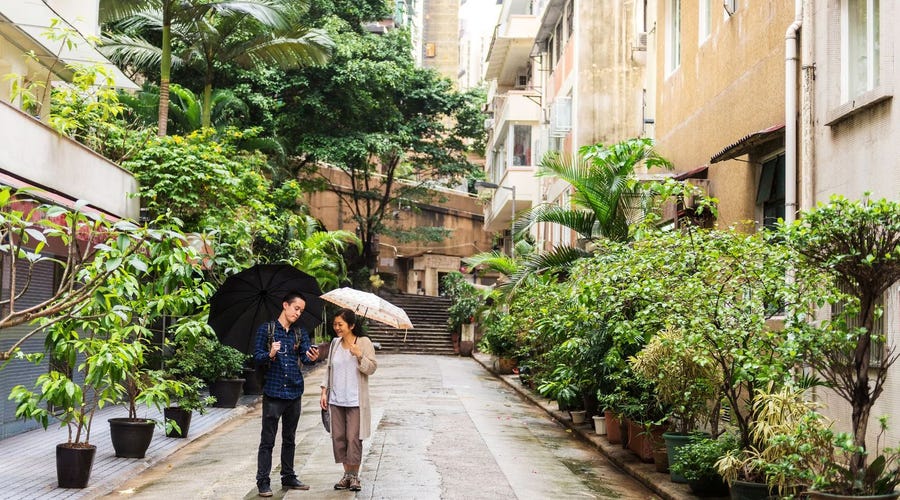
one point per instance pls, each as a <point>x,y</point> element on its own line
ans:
<point>291,296</point>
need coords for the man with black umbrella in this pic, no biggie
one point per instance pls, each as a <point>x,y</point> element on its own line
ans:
<point>279,345</point>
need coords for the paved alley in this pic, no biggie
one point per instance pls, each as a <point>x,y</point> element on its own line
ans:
<point>443,428</point>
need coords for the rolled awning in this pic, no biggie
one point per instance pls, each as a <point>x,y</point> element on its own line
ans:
<point>766,137</point>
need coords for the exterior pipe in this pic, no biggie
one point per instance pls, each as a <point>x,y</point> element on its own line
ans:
<point>791,64</point>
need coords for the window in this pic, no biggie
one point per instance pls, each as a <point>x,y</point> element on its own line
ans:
<point>674,51</point>
<point>570,18</point>
<point>861,47</point>
<point>430,50</point>
<point>770,194</point>
<point>521,145</point>
<point>878,326</point>
<point>705,28</point>
<point>561,117</point>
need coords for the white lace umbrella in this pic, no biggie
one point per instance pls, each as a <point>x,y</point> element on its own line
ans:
<point>369,305</point>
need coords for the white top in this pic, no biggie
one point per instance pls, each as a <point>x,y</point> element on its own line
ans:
<point>344,378</point>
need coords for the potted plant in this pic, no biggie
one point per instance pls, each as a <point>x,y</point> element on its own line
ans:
<point>763,469</point>
<point>221,367</point>
<point>560,385</point>
<point>465,302</point>
<point>696,462</point>
<point>131,435</point>
<point>188,400</point>
<point>822,460</point>
<point>683,380</point>
<point>72,398</point>
<point>854,244</point>
<point>500,340</point>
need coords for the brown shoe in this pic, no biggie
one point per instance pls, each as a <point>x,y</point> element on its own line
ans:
<point>344,483</point>
<point>354,483</point>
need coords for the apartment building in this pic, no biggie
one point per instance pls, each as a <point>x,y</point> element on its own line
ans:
<point>847,139</point>
<point>33,155</point>
<point>777,106</point>
<point>515,119</point>
<point>563,74</point>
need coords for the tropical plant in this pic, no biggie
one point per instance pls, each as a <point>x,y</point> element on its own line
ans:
<point>696,461</point>
<point>608,199</point>
<point>771,457</point>
<point>209,34</point>
<point>687,383</point>
<point>227,109</point>
<point>135,275</point>
<point>856,244</point>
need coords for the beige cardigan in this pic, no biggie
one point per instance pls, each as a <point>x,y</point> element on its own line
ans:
<point>367,366</point>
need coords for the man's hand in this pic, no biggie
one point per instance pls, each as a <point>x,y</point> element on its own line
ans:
<point>313,353</point>
<point>276,346</point>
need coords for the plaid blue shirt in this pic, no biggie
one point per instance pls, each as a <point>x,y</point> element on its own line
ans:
<point>283,378</point>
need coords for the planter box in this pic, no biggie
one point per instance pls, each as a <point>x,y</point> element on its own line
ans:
<point>613,429</point>
<point>642,441</point>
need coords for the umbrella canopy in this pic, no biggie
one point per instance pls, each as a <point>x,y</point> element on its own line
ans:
<point>254,296</point>
<point>369,305</point>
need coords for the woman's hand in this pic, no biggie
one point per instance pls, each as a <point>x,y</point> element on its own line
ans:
<point>323,400</point>
<point>356,351</point>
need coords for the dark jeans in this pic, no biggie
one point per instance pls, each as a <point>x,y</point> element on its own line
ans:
<point>288,410</point>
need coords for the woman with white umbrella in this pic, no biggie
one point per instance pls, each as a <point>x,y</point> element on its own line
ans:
<point>345,393</point>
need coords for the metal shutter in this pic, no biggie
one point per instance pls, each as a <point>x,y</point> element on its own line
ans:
<point>18,371</point>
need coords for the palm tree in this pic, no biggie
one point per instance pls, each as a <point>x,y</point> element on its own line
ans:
<point>320,253</point>
<point>246,32</point>
<point>184,108</point>
<point>607,201</point>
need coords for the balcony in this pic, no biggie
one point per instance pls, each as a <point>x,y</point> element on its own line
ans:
<point>517,106</point>
<point>498,213</point>
<point>510,47</point>
<point>25,26</point>
<point>31,153</point>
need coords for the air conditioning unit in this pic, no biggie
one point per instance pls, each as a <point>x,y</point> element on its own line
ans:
<point>488,123</point>
<point>640,41</point>
<point>521,80</point>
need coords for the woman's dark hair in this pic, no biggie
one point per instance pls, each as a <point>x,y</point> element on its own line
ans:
<point>349,317</point>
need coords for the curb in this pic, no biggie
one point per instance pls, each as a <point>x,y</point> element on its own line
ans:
<point>645,473</point>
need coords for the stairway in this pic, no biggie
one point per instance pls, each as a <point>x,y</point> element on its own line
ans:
<point>429,317</point>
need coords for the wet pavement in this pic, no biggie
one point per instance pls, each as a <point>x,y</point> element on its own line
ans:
<point>443,427</point>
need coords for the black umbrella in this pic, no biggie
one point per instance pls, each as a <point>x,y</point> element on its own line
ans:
<point>254,296</point>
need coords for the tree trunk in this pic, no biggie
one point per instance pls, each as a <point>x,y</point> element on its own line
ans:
<point>206,113</point>
<point>165,68</point>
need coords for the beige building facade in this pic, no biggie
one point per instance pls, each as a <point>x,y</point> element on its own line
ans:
<point>715,79</point>
<point>416,267</point>
<point>779,106</point>
<point>440,36</point>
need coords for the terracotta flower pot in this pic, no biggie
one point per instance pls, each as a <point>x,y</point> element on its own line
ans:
<point>613,429</point>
